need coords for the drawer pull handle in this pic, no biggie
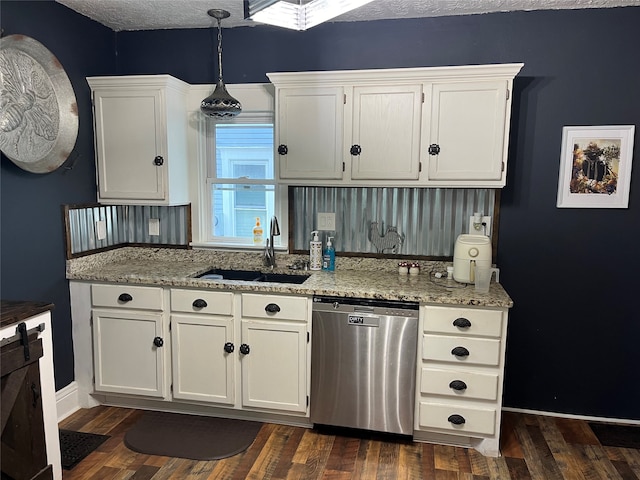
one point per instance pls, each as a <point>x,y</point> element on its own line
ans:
<point>199,303</point>
<point>458,385</point>
<point>229,347</point>
<point>456,419</point>
<point>158,341</point>
<point>355,150</point>
<point>272,308</point>
<point>461,323</point>
<point>244,349</point>
<point>125,297</point>
<point>460,352</point>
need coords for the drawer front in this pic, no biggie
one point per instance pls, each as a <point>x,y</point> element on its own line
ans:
<point>198,301</point>
<point>473,420</point>
<point>274,306</point>
<point>480,351</point>
<point>127,296</point>
<point>459,384</point>
<point>463,321</point>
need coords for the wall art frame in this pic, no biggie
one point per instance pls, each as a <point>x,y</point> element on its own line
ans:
<point>595,166</point>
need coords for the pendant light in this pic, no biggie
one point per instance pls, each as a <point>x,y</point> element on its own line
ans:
<point>220,104</point>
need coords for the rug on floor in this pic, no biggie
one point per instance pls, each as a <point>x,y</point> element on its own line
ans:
<point>190,436</point>
<point>75,446</point>
<point>617,435</point>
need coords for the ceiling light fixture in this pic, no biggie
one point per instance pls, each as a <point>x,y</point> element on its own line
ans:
<point>220,104</point>
<point>297,14</point>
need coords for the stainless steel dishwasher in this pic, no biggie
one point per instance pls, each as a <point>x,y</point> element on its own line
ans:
<point>363,363</point>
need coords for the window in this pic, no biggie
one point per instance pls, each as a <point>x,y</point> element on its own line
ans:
<point>240,181</point>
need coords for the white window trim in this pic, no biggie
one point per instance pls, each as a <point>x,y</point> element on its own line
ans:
<point>257,99</point>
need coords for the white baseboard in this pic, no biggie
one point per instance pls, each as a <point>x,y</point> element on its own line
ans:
<point>67,401</point>
<point>587,418</point>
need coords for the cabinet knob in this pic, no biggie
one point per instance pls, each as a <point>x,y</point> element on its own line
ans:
<point>460,352</point>
<point>199,303</point>
<point>355,150</point>
<point>461,322</point>
<point>158,341</point>
<point>434,149</point>
<point>229,347</point>
<point>158,161</point>
<point>125,297</point>
<point>282,149</point>
<point>244,349</point>
<point>458,385</point>
<point>456,419</point>
<point>272,308</point>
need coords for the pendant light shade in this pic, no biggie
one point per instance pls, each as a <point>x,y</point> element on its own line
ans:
<point>220,104</point>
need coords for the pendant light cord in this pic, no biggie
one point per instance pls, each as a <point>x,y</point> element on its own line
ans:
<point>219,51</point>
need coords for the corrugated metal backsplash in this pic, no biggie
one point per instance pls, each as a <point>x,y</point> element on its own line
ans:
<point>427,219</point>
<point>126,224</point>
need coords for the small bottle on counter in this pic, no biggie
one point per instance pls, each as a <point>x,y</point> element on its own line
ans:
<point>329,257</point>
<point>257,232</point>
<point>403,268</point>
<point>414,268</point>
<point>315,252</point>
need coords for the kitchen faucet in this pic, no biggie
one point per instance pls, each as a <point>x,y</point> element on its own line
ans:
<point>269,251</point>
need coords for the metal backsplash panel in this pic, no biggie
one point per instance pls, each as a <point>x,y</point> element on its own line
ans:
<point>126,224</point>
<point>428,220</point>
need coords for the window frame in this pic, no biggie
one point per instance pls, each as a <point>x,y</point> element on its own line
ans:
<point>258,107</point>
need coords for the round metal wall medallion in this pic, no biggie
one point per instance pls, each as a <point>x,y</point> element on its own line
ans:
<point>38,109</point>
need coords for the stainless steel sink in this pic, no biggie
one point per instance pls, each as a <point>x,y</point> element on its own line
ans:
<point>252,276</point>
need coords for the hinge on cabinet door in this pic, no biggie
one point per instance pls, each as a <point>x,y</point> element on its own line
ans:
<point>343,166</point>
<point>171,388</point>
<point>422,97</point>
<point>502,167</point>
<point>419,167</point>
<point>169,326</point>
<point>307,337</point>
<point>344,98</point>
<point>307,400</point>
<point>508,93</point>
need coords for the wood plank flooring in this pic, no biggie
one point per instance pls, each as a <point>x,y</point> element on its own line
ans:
<point>533,447</point>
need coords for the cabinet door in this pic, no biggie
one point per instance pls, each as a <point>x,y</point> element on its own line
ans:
<point>386,128</point>
<point>274,369</point>
<point>467,131</point>
<point>202,369</point>
<point>310,126</point>
<point>130,133</point>
<point>129,352</point>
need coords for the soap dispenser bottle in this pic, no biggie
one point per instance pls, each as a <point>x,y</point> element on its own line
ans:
<point>329,257</point>
<point>315,252</point>
<point>257,232</point>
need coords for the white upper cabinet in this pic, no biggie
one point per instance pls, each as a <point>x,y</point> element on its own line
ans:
<point>385,132</point>
<point>466,140</point>
<point>433,127</point>
<point>309,132</point>
<point>140,125</point>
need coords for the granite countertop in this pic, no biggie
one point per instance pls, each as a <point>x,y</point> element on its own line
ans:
<point>364,278</point>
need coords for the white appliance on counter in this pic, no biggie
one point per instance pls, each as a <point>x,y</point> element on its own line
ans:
<point>469,251</point>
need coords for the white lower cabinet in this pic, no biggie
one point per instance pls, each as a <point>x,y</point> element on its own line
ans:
<point>240,350</point>
<point>236,350</point>
<point>129,331</point>
<point>459,376</point>
<point>274,352</point>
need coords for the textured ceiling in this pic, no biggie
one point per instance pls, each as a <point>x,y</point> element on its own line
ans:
<point>162,14</point>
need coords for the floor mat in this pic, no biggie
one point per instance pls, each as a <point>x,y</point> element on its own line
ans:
<point>190,436</point>
<point>617,435</point>
<point>74,446</point>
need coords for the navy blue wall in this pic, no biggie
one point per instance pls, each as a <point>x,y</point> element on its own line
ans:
<point>570,272</point>
<point>33,251</point>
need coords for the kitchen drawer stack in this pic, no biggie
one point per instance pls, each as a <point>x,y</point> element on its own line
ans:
<point>460,374</point>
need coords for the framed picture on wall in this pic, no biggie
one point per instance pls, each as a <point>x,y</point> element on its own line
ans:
<point>595,166</point>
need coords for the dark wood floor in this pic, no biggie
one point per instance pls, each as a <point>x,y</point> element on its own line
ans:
<point>533,447</point>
